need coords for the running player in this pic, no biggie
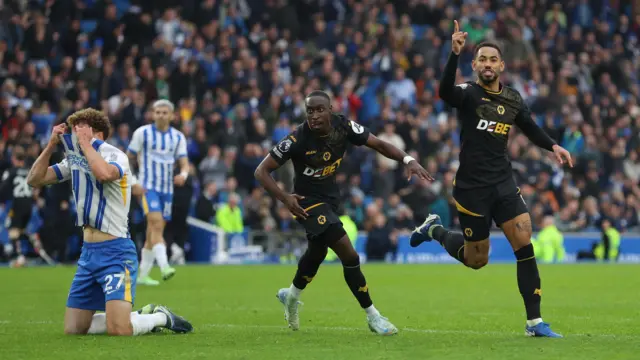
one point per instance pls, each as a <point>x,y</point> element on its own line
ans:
<point>14,187</point>
<point>106,276</point>
<point>316,149</point>
<point>156,147</point>
<point>484,189</point>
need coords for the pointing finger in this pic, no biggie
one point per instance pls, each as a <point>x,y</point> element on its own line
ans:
<point>456,27</point>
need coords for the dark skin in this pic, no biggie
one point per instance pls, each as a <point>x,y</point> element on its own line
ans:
<point>319,120</point>
<point>488,65</point>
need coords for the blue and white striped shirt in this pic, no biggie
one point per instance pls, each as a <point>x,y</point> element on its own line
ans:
<point>157,152</point>
<point>103,206</point>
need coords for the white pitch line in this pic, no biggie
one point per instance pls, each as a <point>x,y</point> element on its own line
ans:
<point>424,331</point>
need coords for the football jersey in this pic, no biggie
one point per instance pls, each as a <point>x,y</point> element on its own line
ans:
<point>316,159</point>
<point>103,206</point>
<point>157,152</point>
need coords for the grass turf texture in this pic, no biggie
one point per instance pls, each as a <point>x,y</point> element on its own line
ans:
<point>442,311</point>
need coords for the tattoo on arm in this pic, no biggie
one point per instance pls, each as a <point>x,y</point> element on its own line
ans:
<point>524,226</point>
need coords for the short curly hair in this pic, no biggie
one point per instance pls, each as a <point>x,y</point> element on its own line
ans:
<point>97,120</point>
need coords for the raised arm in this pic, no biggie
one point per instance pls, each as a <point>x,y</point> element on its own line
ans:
<point>102,170</point>
<point>448,91</point>
<point>41,174</point>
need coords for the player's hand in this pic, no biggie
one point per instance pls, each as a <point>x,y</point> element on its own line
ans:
<point>413,168</point>
<point>291,202</point>
<point>458,38</point>
<point>562,155</point>
<point>56,132</point>
<point>84,134</point>
<point>179,180</point>
<point>137,190</point>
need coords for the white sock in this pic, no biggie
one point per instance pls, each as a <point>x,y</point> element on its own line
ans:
<point>176,249</point>
<point>534,322</point>
<point>146,262</point>
<point>372,311</point>
<point>160,250</point>
<point>144,323</point>
<point>98,324</point>
<point>141,324</point>
<point>294,291</point>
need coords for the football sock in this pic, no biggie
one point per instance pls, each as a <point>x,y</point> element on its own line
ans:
<point>529,281</point>
<point>144,323</point>
<point>146,262</point>
<point>453,242</point>
<point>141,324</point>
<point>98,324</point>
<point>308,267</point>
<point>357,283</point>
<point>372,311</point>
<point>160,251</point>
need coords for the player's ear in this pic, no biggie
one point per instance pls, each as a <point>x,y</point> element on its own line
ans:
<point>501,65</point>
<point>473,64</point>
<point>330,108</point>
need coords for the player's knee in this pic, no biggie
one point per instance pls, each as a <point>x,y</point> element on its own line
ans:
<point>70,329</point>
<point>350,259</point>
<point>119,329</point>
<point>477,262</point>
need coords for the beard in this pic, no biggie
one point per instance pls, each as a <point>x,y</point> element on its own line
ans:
<point>487,79</point>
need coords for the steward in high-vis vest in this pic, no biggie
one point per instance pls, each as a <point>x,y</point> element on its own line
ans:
<point>608,249</point>
<point>549,244</point>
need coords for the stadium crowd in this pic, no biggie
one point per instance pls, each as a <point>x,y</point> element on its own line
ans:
<point>238,72</point>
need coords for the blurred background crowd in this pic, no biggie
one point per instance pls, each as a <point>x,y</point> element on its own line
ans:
<point>238,71</point>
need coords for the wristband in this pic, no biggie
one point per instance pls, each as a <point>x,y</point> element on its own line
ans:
<point>407,159</point>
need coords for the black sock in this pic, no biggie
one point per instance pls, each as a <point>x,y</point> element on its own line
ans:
<point>308,266</point>
<point>529,281</point>
<point>357,283</point>
<point>453,242</point>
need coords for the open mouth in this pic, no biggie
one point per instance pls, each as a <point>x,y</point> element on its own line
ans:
<point>488,73</point>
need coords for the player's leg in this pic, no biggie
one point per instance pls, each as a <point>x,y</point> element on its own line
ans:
<point>85,297</point>
<point>15,237</point>
<point>512,216</point>
<point>308,266</point>
<point>471,247</point>
<point>355,278</point>
<point>150,206</point>
<point>77,321</point>
<point>157,222</point>
<point>117,277</point>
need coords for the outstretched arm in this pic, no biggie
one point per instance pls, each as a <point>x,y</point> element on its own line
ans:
<point>263,175</point>
<point>390,151</point>
<point>539,137</point>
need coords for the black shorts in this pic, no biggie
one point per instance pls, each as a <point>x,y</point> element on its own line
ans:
<point>321,223</point>
<point>18,217</point>
<point>477,207</point>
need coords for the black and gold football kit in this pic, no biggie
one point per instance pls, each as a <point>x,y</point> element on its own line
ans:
<point>316,160</point>
<point>484,186</point>
<point>14,187</point>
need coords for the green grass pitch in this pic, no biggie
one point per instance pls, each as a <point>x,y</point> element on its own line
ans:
<point>442,311</point>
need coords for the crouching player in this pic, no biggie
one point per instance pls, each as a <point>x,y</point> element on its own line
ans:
<point>106,276</point>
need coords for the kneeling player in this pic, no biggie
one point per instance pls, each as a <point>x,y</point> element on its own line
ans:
<point>316,149</point>
<point>106,276</point>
